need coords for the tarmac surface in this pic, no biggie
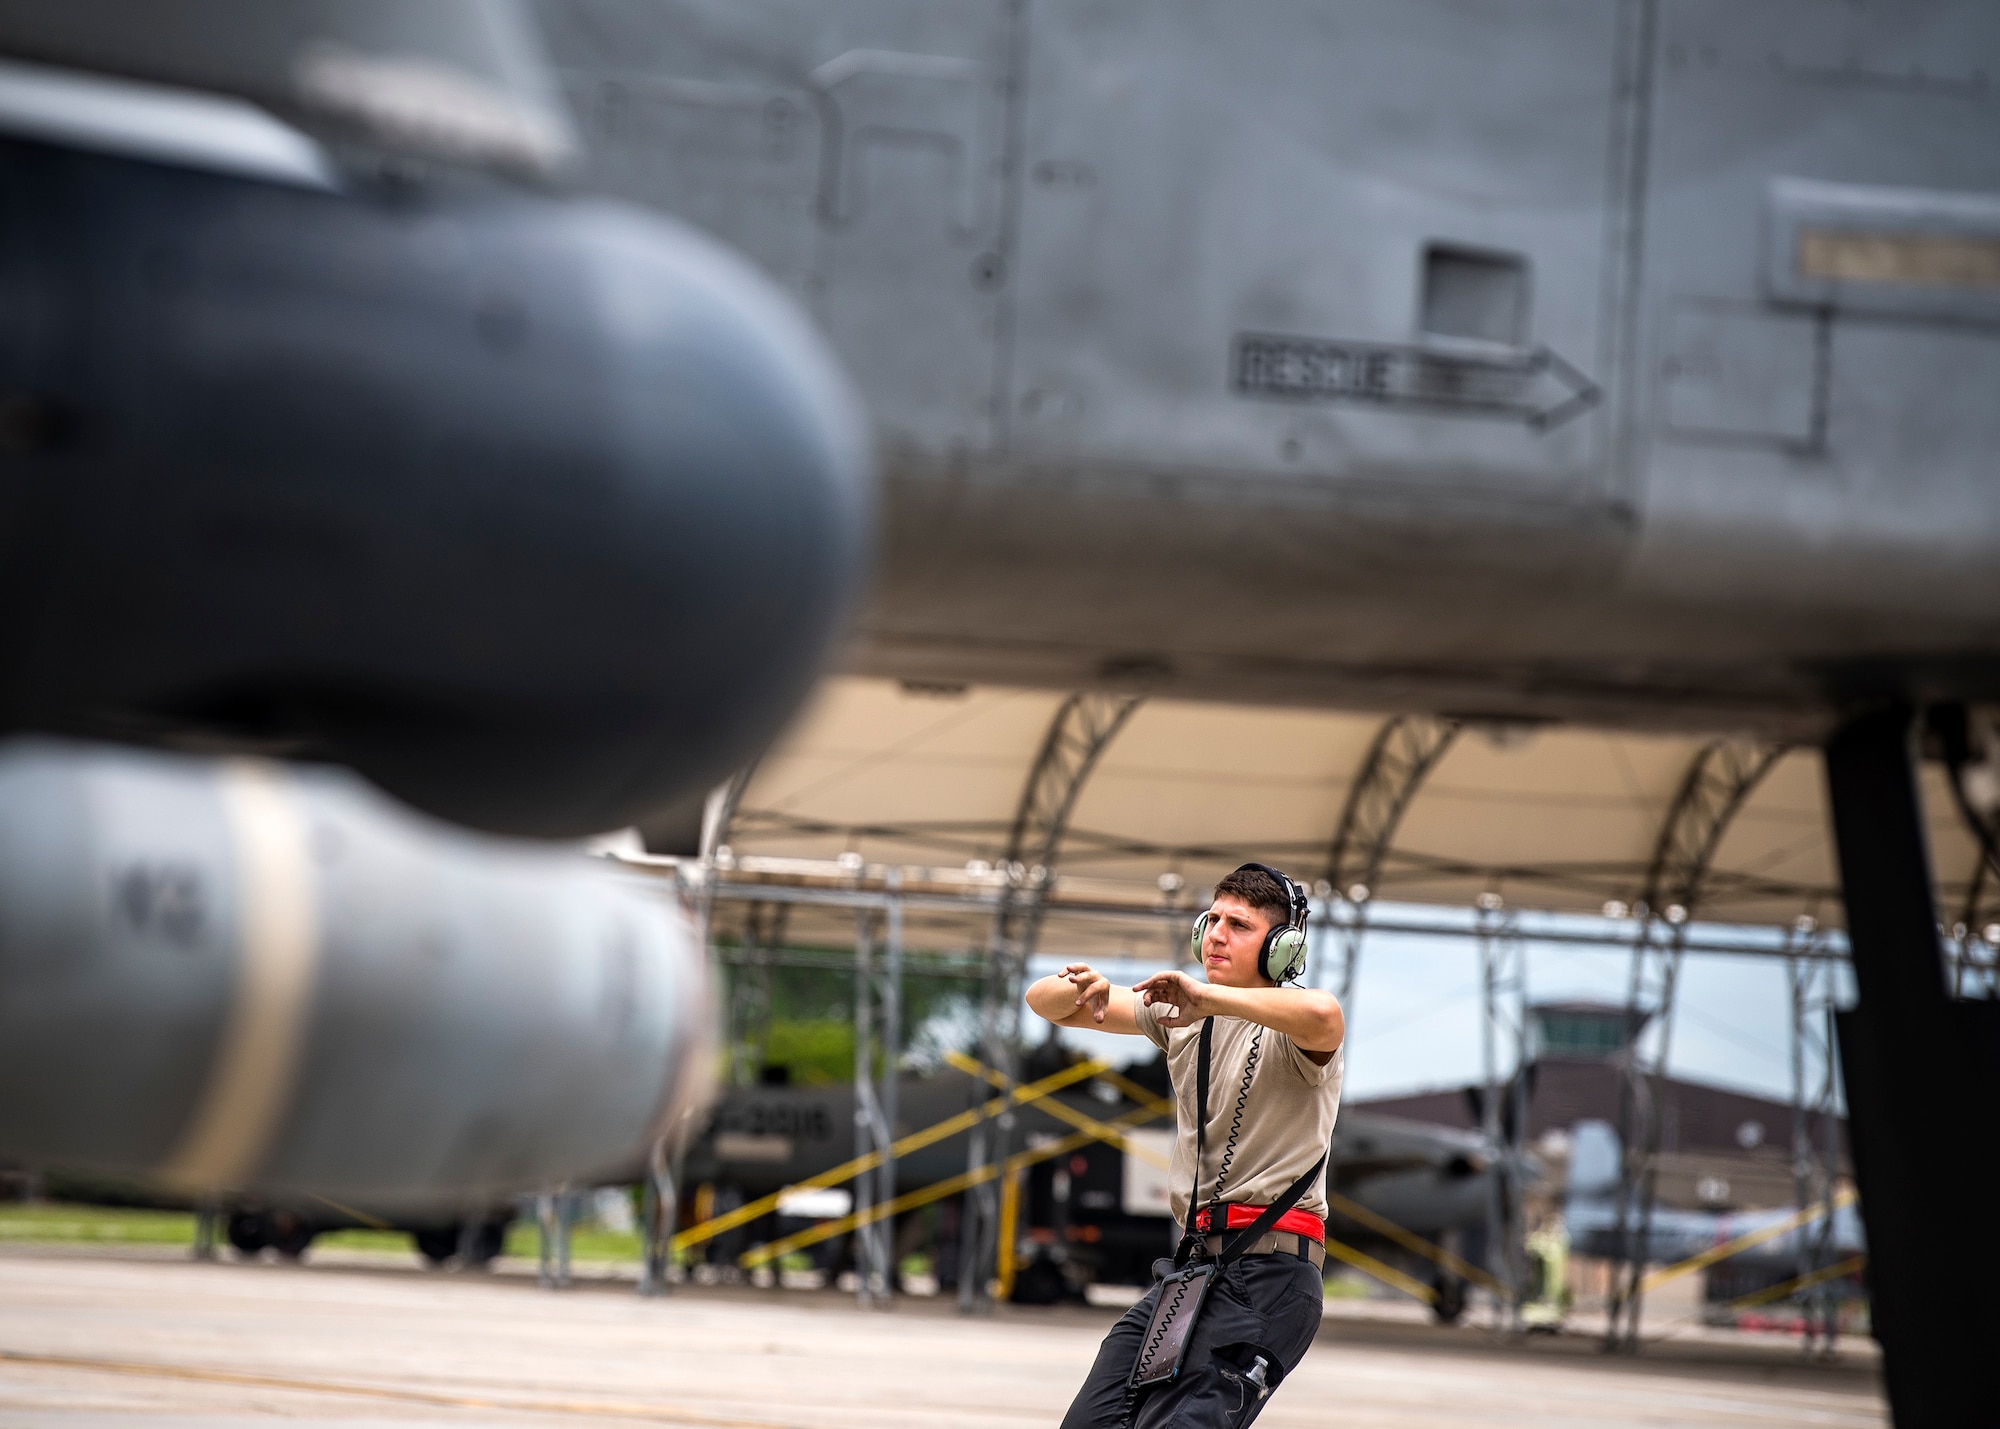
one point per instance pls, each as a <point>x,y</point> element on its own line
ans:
<point>119,1340</point>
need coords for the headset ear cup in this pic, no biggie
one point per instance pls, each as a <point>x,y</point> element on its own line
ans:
<point>1200,932</point>
<point>1286,958</point>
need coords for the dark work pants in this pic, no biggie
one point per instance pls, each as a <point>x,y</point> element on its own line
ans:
<point>1261,1304</point>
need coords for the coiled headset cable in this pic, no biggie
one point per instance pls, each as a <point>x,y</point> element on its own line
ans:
<point>1236,1122</point>
<point>1151,1348</point>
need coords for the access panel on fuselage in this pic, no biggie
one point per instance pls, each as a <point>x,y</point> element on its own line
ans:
<point>1357,245</point>
<point>852,150</point>
<point>1820,325</point>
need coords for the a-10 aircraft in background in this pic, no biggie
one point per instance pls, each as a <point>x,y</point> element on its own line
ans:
<point>1622,362</point>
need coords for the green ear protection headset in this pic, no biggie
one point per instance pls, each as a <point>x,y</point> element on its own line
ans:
<point>1283,956</point>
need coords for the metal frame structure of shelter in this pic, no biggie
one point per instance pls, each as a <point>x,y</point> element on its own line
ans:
<point>1401,761</point>
<point>1717,782</point>
<point>1076,739</point>
<point>749,1012</point>
<point>1811,978</point>
<point>879,896</point>
<point>878,1048</point>
<point>1404,750</point>
<point>1503,980</point>
<point>1975,936</point>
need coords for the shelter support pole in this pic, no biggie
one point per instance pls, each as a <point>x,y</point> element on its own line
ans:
<point>1722,777</point>
<point>1651,999</point>
<point>750,987</point>
<point>1000,1024</point>
<point>892,1061</point>
<point>208,1221</point>
<point>659,1208</point>
<point>554,1210</point>
<point>1976,935</point>
<point>1815,1126</point>
<point>878,1052</point>
<point>1503,966</point>
<point>865,1118</point>
<point>877,1015</point>
<point>1083,727</point>
<point>1918,1070</point>
<point>1404,751</point>
<point>1010,1230</point>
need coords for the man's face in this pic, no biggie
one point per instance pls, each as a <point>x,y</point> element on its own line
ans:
<point>1234,938</point>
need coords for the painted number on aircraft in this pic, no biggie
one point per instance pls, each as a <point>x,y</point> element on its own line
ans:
<point>805,1121</point>
<point>169,899</point>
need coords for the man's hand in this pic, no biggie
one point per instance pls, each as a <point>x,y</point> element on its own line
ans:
<point>1312,1019</point>
<point>1181,999</point>
<point>1081,996</point>
<point>1093,989</point>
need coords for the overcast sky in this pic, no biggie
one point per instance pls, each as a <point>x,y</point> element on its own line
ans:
<point>1415,1019</point>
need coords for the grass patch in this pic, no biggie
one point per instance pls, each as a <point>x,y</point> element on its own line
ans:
<point>586,1242</point>
<point>60,1224</point>
<point>363,1238</point>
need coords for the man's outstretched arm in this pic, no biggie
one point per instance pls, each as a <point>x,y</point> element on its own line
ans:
<point>1080,996</point>
<point>1309,1017</point>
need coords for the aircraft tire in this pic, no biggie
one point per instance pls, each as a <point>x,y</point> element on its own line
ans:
<point>436,1244</point>
<point>487,1243</point>
<point>1040,1282</point>
<point>249,1231</point>
<point>1450,1302</point>
<point>290,1236</point>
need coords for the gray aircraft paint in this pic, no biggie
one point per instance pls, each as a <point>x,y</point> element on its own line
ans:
<point>1041,234</point>
<point>236,974</point>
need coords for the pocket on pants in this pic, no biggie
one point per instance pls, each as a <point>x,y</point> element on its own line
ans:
<point>1287,1300</point>
<point>1293,1324</point>
<point>1215,1395</point>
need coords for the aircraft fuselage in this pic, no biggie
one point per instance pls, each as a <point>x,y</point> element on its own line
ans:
<point>1625,363</point>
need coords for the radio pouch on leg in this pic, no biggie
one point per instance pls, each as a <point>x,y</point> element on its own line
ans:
<point>1182,1293</point>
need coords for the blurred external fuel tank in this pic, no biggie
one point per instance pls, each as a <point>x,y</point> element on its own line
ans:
<point>271,978</point>
<point>339,434</point>
<point>333,427</point>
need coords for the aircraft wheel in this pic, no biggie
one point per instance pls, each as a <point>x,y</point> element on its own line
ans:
<point>249,1231</point>
<point>290,1235</point>
<point>1040,1282</point>
<point>436,1244</point>
<point>487,1243</point>
<point>1450,1302</point>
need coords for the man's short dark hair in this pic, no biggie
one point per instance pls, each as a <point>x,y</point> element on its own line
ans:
<point>1261,891</point>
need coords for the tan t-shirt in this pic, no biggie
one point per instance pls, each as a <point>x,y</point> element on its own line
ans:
<point>1287,1118</point>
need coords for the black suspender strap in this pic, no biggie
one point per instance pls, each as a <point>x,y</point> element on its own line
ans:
<point>1190,1237</point>
<point>1240,1242</point>
<point>1218,1219</point>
